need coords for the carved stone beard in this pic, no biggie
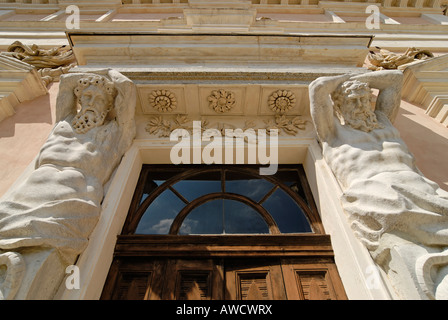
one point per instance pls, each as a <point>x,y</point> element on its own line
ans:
<point>364,120</point>
<point>351,101</point>
<point>87,119</point>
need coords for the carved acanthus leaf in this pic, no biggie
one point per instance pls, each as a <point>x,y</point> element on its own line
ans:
<point>289,126</point>
<point>159,125</point>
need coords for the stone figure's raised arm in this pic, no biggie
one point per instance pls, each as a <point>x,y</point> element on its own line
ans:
<point>321,104</point>
<point>389,83</point>
<point>124,108</point>
<point>66,100</point>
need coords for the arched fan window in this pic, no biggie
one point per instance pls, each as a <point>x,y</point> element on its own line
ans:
<point>186,200</point>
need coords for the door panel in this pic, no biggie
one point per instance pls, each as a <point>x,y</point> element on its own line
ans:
<point>135,279</point>
<point>219,279</point>
<point>257,280</point>
<point>193,280</point>
<point>312,281</point>
<point>217,268</point>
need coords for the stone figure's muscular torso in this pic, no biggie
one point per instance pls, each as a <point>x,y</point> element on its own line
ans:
<point>69,165</point>
<point>85,151</point>
<point>49,216</point>
<point>368,153</point>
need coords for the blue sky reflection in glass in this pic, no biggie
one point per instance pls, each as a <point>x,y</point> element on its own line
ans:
<point>160,214</point>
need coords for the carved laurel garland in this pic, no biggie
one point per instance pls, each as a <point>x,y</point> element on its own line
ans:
<point>221,100</point>
<point>163,127</point>
<point>163,100</point>
<point>281,101</point>
<point>289,126</point>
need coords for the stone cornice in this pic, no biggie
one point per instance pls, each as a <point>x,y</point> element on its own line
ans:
<point>426,84</point>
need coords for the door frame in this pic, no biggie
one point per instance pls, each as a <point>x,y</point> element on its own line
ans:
<point>235,246</point>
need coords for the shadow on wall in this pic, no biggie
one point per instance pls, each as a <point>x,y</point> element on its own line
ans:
<point>427,140</point>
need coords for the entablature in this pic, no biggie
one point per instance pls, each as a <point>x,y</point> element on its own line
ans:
<point>416,18</point>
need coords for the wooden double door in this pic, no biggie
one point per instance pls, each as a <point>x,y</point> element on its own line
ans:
<point>223,272</point>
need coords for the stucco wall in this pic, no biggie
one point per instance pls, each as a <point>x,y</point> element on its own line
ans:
<point>22,135</point>
<point>427,139</point>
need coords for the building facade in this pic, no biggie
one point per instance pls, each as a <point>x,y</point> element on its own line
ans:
<point>171,149</point>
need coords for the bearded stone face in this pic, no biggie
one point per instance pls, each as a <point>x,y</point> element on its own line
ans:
<point>95,96</point>
<point>352,103</point>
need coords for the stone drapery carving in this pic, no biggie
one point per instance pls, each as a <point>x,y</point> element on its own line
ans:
<point>221,100</point>
<point>42,58</point>
<point>50,215</point>
<point>397,213</point>
<point>163,100</point>
<point>281,101</point>
<point>14,271</point>
<point>50,63</point>
<point>387,60</point>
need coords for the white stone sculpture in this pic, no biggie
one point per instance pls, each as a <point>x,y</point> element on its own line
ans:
<point>397,213</point>
<point>387,60</point>
<point>49,63</point>
<point>46,221</point>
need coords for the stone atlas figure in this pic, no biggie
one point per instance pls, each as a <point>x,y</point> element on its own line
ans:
<point>397,213</point>
<point>45,222</point>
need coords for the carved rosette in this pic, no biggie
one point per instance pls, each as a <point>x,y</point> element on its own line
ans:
<point>163,100</point>
<point>221,100</point>
<point>281,101</point>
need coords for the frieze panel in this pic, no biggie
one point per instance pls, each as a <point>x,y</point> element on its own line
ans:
<point>290,100</point>
<point>281,101</point>
<point>162,99</point>
<point>222,100</point>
